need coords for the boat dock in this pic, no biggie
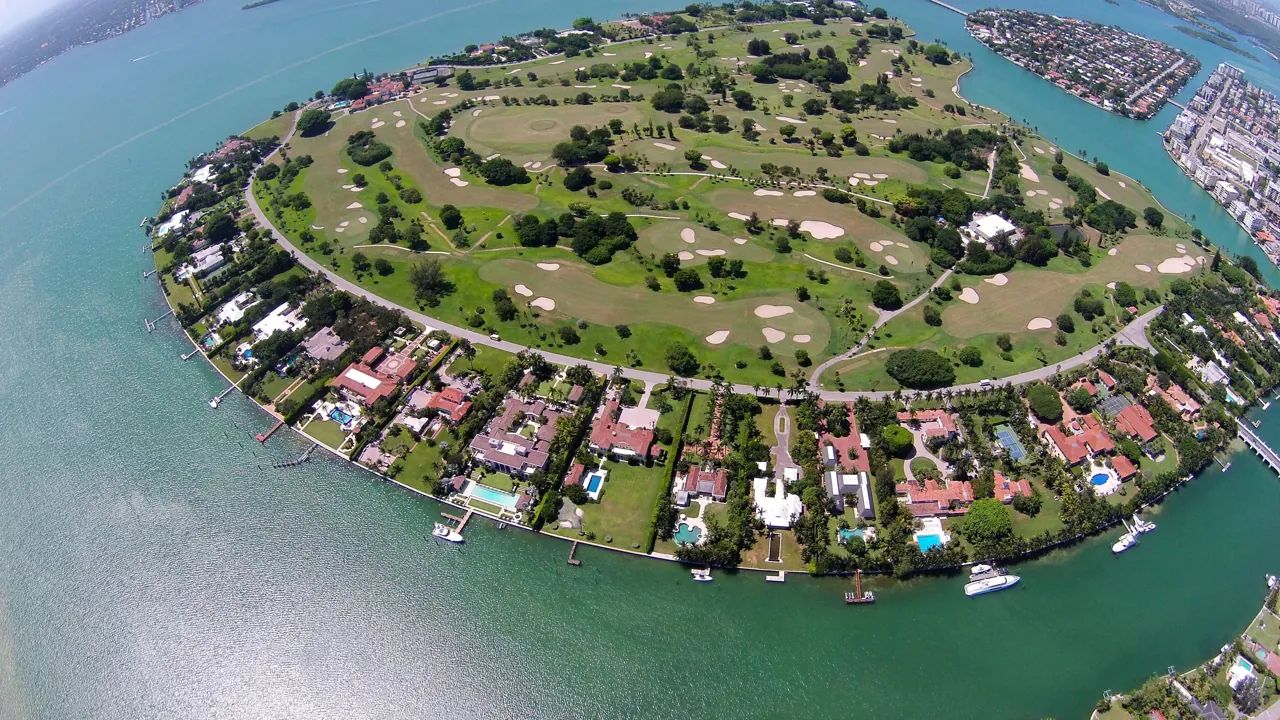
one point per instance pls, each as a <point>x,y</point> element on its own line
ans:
<point>264,437</point>
<point>217,399</point>
<point>304,457</point>
<point>1260,447</point>
<point>780,577</point>
<point>461,521</point>
<point>150,325</point>
<point>573,550</point>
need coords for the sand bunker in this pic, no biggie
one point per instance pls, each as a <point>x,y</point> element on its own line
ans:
<point>687,235</point>
<point>970,296</point>
<point>1121,184</point>
<point>891,122</point>
<point>342,171</point>
<point>1027,173</point>
<point>998,280</point>
<point>1039,150</point>
<point>543,303</point>
<point>854,181</point>
<point>1102,194</point>
<point>711,253</point>
<point>377,124</point>
<point>718,337</point>
<point>762,192</point>
<point>1176,265</point>
<point>718,165</point>
<point>1113,251</point>
<point>862,175</point>
<point>686,255</point>
<point>620,86</point>
<point>791,120</point>
<point>459,183</point>
<point>523,290</point>
<point>364,220</point>
<point>558,62</point>
<point>1143,268</point>
<point>486,98</point>
<point>665,146</point>
<point>453,172</point>
<point>862,63</point>
<point>805,193</point>
<point>400,123</point>
<point>439,102</point>
<point>354,206</point>
<point>704,299</point>
<point>1039,323</point>
<point>876,247</point>
<point>879,176</point>
<point>739,241</point>
<point>773,311</point>
<point>549,267</point>
<point>821,230</point>
<point>891,259</point>
<point>801,338</point>
<point>739,216</point>
<point>476,112</point>
<point>773,335</point>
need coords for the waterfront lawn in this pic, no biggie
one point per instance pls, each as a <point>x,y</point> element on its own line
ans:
<point>757,555</point>
<point>273,384</point>
<point>423,464</point>
<point>1169,463</point>
<point>625,509</point>
<point>1049,518</point>
<point>1265,630</point>
<point>327,432</point>
<point>276,127</point>
<point>1115,712</point>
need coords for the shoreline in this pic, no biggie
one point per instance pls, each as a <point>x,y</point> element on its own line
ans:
<point>1026,556</point>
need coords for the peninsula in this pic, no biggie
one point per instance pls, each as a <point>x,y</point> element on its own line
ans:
<point>711,292</point>
<point>1106,66</point>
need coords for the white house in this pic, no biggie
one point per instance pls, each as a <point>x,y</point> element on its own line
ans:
<point>233,310</point>
<point>987,228</point>
<point>781,509</point>
<point>278,320</point>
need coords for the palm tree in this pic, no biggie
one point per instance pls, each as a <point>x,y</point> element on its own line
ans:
<point>467,350</point>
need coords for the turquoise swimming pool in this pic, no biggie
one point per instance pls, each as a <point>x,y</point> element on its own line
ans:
<point>594,481</point>
<point>492,495</point>
<point>340,416</point>
<point>686,534</point>
<point>847,534</point>
<point>1099,479</point>
<point>928,542</point>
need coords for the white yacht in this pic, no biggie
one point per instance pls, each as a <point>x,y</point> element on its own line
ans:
<point>444,532</point>
<point>990,584</point>
<point>701,574</point>
<point>1126,541</point>
<point>1142,526</point>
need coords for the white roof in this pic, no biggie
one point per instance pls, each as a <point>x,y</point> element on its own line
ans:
<point>278,320</point>
<point>779,510</point>
<point>174,222</point>
<point>991,226</point>
<point>203,174</point>
<point>364,379</point>
<point>235,307</point>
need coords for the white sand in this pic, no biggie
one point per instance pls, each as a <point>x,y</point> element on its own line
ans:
<point>317,227</point>
<point>342,171</point>
<point>364,220</point>
<point>397,113</point>
<point>439,102</point>
<point>1102,194</point>
<point>344,223</point>
<point>1121,184</point>
<point>891,122</point>
<point>1143,268</point>
<point>1176,265</point>
<point>453,172</point>
<point>620,86</point>
<point>459,183</point>
<point>377,124</point>
<point>891,259</point>
<point>1039,150</point>
<point>354,206</point>
<point>1199,259</point>
<point>527,163</point>
<point>1113,251</point>
<point>821,230</point>
<point>647,55</point>
<point>718,337</point>
<point>687,235</point>
<point>739,216</point>
<point>543,303</point>
<point>718,165</point>
<point>870,183</point>
<point>970,296</point>
<point>524,290</point>
<point>862,63</point>
<point>340,229</point>
<point>665,146</point>
<point>495,155</point>
<point>400,123</point>
<point>805,193</point>
<point>854,181</point>
<point>862,175</point>
<point>791,120</point>
<point>801,338</point>
<point>780,222</point>
<point>1039,323</point>
<point>739,241</point>
<point>536,164</point>
<point>486,97</point>
<point>773,311</point>
<point>999,280</point>
<point>876,246</point>
<point>773,335</point>
<point>353,188</point>
<point>1027,173</point>
<point>347,187</point>
<point>704,299</point>
<point>686,255</point>
<point>584,87</point>
<point>610,54</point>
<point>711,253</point>
<point>880,176</point>
<point>762,192</point>
<point>549,267</point>
<point>558,62</point>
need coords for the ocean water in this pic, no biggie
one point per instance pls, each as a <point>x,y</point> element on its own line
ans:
<point>152,565</point>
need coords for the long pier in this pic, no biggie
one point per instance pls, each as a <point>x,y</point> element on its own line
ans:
<point>1259,446</point>
<point>264,437</point>
<point>151,324</point>
<point>952,8</point>
<point>304,457</point>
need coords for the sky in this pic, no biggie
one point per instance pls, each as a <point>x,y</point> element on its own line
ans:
<point>13,12</point>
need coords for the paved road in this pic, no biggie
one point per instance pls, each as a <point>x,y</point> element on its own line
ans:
<point>1133,334</point>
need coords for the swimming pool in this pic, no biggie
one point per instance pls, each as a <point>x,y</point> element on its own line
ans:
<point>1099,479</point>
<point>341,416</point>
<point>928,542</point>
<point>492,495</point>
<point>686,534</point>
<point>594,481</point>
<point>847,534</point>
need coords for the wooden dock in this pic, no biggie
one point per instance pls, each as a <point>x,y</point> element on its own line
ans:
<point>779,577</point>
<point>461,521</point>
<point>150,325</point>
<point>573,550</point>
<point>264,437</point>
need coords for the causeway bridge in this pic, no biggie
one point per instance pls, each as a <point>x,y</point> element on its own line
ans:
<point>950,7</point>
<point>1256,444</point>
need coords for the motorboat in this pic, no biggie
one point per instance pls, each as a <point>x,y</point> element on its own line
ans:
<point>859,596</point>
<point>444,532</point>
<point>994,583</point>
<point>701,574</point>
<point>1126,541</point>
<point>982,571</point>
<point>1142,526</point>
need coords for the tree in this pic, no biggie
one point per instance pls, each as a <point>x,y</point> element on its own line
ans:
<point>359,262</point>
<point>451,216</point>
<point>987,521</point>
<point>429,281</point>
<point>1125,295</point>
<point>757,47</point>
<point>920,369</point>
<point>219,227</point>
<point>932,316</point>
<point>1045,403</point>
<point>1102,168</point>
<point>885,295</point>
<point>743,100</point>
<point>383,266</point>
<point>897,440</point>
<point>410,196</point>
<point>501,171</point>
<point>1153,217</point>
<point>578,178</point>
<point>1065,323</point>
<point>970,355</point>
<point>1080,400</point>
<point>1249,695</point>
<point>687,279</point>
<point>681,360</point>
<point>313,121</point>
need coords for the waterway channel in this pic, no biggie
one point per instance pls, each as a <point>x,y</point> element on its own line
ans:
<point>153,565</point>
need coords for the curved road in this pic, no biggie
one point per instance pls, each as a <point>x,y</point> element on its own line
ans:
<point>1132,334</point>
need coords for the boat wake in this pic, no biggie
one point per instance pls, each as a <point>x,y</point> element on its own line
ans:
<point>144,57</point>
<point>6,112</point>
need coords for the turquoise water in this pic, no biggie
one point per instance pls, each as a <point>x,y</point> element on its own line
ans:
<point>928,542</point>
<point>1099,479</point>
<point>594,481</point>
<point>494,495</point>
<point>687,535</point>
<point>847,534</point>
<point>154,565</point>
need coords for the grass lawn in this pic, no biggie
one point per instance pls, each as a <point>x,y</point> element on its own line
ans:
<point>625,508</point>
<point>1049,517</point>
<point>1151,468</point>
<point>276,127</point>
<point>1115,712</point>
<point>488,360</point>
<point>273,385</point>
<point>497,481</point>
<point>487,507</point>
<point>1265,630</point>
<point>923,465</point>
<point>326,431</point>
<point>423,463</point>
<point>757,555</point>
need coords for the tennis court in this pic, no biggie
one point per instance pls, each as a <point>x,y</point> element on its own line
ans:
<point>1012,445</point>
<point>1113,404</point>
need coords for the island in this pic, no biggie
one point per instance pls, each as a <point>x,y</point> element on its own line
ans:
<point>1104,65</point>
<point>1224,140</point>
<point>743,286</point>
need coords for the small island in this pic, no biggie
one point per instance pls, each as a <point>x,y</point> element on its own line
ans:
<point>742,287</point>
<point>1114,69</point>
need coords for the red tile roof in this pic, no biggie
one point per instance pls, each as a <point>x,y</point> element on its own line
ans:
<point>1136,422</point>
<point>609,434</point>
<point>361,392</point>
<point>1106,379</point>
<point>451,402</point>
<point>574,477</point>
<point>930,420</point>
<point>371,355</point>
<point>1089,438</point>
<point>944,498</point>
<point>1086,386</point>
<point>1124,467</point>
<point>700,481</point>
<point>1175,396</point>
<point>1007,489</point>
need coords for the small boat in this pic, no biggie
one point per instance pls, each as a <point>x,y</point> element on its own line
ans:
<point>858,597</point>
<point>995,583</point>
<point>444,532</point>
<point>1126,541</point>
<point>701,574</point>
<point>1142,526</point>
<point>982,571</point>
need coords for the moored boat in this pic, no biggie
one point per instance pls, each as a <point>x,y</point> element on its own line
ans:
<point>1142,526</point>
<point>701,574</point>
<point>991,584</point>
<point>444,532</point>
<point>1126,541</point>
<point>858,596</point>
